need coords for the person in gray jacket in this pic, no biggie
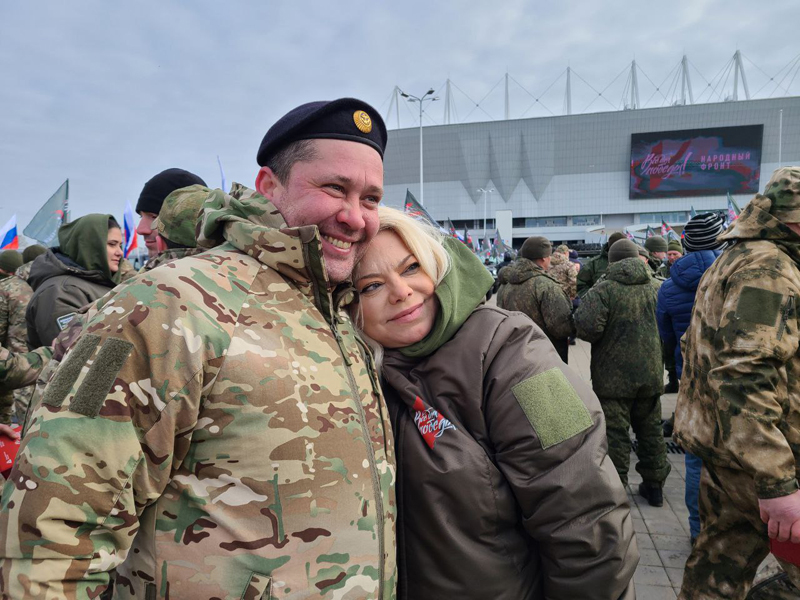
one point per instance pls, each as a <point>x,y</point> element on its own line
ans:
<point>505,488</point>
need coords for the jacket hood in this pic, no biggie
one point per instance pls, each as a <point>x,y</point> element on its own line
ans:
<point>520,271</point>
<point>84,240</point>
<point>756,223</point>
<point>54,263</point>
<point>629,271</point>
<point>687,271</point>
<point>460,292</point>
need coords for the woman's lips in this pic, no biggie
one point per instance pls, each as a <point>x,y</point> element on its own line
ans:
<point>408,315</point>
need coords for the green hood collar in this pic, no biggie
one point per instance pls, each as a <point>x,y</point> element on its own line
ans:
<point>461,291</point>
<point>629,271</point>
<point>85,240</point>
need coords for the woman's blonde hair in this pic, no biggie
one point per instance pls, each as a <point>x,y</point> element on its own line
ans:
<point>424,241</point>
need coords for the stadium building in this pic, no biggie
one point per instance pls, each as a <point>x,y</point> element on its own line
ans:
<point>575,178</point>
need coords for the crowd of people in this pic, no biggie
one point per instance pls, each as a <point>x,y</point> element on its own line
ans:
<point>305,394</point>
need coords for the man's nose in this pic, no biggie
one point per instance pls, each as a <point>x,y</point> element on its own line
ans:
<point>352,214</point>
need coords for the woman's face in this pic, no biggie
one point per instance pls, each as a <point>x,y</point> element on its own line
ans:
<point>114,248</point>
<point>398,305</point>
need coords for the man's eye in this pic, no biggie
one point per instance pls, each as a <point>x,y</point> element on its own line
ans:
<point>335,187</point>
<point>372,199</point>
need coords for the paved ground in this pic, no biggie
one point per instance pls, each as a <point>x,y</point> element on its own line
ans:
<point>662,533</point>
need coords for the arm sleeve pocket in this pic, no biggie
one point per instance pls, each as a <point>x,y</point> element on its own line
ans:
<point>553,407</point>
<point>759,306</point>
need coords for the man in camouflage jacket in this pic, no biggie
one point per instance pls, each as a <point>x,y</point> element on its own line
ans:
<point>526,286</point>
<point>591,272</point>
<point>739,400</point>
<point>618,317</point>
<point>15,293</point>
<point>221,431</point>
<point>563,271</point>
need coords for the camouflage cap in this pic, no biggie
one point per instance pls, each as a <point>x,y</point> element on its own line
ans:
<point>562,248</point>
<point>783,189</point>
<point>177,220</point>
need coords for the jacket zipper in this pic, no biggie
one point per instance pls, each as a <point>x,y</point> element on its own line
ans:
<point>787,308</point>
<point>376,484</point>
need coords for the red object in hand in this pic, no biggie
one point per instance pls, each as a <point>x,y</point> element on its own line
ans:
<point>786,551</point>
<point>8,452</point>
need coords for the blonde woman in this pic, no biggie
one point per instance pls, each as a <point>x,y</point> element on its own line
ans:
<point>505,488</point>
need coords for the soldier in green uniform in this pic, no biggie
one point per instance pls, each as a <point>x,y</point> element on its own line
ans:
<point>656,247</point>
<point>739,397</point>
<point>674,252</point>
<point>15,293</point>
<point>591,272</point>
<point>221,430</point>
<point>526,286</point>
<point>618,317</point>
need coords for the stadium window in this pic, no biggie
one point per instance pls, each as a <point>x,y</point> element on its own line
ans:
<point>584,220</point>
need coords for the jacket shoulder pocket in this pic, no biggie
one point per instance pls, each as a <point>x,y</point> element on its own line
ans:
<point>259,587</point>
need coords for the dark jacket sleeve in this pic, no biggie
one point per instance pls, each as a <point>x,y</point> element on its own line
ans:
<point>557,312</point>
<point>47,306</point>
<point>548,432</point>
<point>664,319</point>
<point>585,279</point>
<point>591,316</point>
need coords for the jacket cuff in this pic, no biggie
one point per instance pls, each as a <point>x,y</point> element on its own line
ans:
<point>765,491</point>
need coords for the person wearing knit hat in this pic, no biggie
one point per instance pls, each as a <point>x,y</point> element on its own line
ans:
<point>152,197</point>
<point>702,231</point>
<point>591,272</point>
<point>740,395</point>
<point>31,252</point>
<point>15,294</point>
<point>527,287</point>
<point>617,317</point>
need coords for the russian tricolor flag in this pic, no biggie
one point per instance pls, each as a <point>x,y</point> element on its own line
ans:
<point>131,239</point>
<point>9,236</point>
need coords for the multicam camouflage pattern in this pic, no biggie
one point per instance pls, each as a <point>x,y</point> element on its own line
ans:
<point>15,293</point>
<point>563,271</point>
<point>618,317</point>
<point>591,272</point>
<point>644,416</point>
<point>21,369</point>
<point>24,271</point>
<point>177,219</point>
<point>243,449</point>
<point>126,270</point>
<point>739,400</point>
<point>527,288</point>
<point>732,543</point>
<point>168,256</point>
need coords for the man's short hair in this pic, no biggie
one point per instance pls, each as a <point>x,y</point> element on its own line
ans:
<point>281,162</point>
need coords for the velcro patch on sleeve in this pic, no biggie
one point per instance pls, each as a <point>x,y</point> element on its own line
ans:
<point>553,407</point>
<point>759,306</point>
<point>69,371</point>
<point>92,393</point>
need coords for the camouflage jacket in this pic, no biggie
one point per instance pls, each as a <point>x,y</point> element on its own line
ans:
<point>221,434</point>
<point>21,369</point>
<point>24,271</point>
<point>163,258</point>
<point>739,399</point>
<point>618,317</point>
<point>664,270</point>
<point>527,288</point>
<point>563,271</point>
<point>592,271</point>
<point>15,294</point>
<point>126,270</point>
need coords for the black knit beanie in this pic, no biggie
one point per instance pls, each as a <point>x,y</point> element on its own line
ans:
<point>161,186</point>
<point>701,232</point>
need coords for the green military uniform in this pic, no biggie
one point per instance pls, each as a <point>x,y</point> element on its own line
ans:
<point>618,317</point>
<point>527,288</point>
<point>15,294</point>
<point>591,272</point>
<point>740,390</point>
<point>221,434</point>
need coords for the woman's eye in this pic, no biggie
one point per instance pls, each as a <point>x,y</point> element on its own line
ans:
<point>412,268</point>
<point>370,288</point>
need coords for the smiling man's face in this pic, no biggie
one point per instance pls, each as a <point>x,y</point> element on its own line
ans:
<point>338,190</point>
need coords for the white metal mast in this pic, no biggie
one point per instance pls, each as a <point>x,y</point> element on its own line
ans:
<point>569,91</point>
<point>738,68</point>
<point>634,86</point>
<point>686,83</point>
<point>508,108</point>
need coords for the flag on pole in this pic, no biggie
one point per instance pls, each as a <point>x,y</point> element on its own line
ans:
<point>415,209</point>
<point>468,240</point>
<point>223,184</point>
<point>9,238</point>
<point>629,235</point>
<point>53,214</point>
<point>649,232</point>
<point>131,239</point>
<point>499,243</point>
<point>692,213</point>
<point>733,209</point>
<point>668,231</point>
<point>451,229</point>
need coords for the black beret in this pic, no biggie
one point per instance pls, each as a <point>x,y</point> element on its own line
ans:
<point>161,186</point>
<point>342,119</point>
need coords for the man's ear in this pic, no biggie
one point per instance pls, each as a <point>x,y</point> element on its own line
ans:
<point>161,246</point>
<point>267,183</point>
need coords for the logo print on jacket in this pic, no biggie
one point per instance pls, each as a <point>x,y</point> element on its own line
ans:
<point>429,422</point>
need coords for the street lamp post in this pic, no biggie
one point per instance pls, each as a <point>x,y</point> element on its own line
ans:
<point>420,100</point>
<point>486,193</point>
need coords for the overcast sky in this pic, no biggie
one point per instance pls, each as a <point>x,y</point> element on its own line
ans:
<point>109,93</point>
